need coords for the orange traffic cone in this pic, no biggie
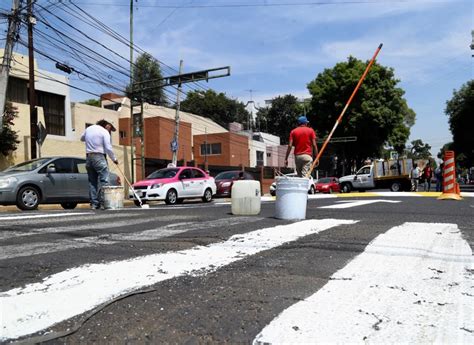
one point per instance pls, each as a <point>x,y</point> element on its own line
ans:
<point>451,189</point>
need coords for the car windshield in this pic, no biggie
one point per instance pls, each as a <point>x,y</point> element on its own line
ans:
<point>324,180</point>
<point>227,175</point>
<point>29,165</point>
<point>163,173</point>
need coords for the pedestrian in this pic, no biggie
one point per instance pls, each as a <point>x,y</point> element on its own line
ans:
<point>415,177</point>
<point>303,138</point>
<point>439,178</point>
<point>427,176</point>
<point>98,147</point>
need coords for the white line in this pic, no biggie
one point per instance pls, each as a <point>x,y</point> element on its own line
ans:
<point>52,215</point>
<point>354,203</point>
<point>64,295</point>
<point>412,285</point>
<point>449,178</point>
<point>37,248</point>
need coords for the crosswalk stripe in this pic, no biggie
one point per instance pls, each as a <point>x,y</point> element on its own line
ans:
<point>36,248</point>
<point>412,284</point>
<point>38,216</point>
<point>61,296</point>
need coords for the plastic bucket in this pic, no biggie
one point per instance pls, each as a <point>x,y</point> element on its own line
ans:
<point>246,198</point>
<point>291,197</point>
<point>113,197</point>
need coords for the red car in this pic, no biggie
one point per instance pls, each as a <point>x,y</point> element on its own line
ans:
<point>328,185</point>
<point>225,180</point>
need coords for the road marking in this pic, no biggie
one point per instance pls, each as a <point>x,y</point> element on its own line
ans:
<point>36,216</point>
<point>354,203</point>
<point>412,284</point>
<point>36,248</point>
<point>66,294</point>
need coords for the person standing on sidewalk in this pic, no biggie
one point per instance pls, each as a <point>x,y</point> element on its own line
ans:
<point>98,147</point>
<point>415,178</point>
<point>439,178</point>
<point>303,138</point>
<point>427,176</point>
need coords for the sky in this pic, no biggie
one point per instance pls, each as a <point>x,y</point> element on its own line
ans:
<point>276,47</point>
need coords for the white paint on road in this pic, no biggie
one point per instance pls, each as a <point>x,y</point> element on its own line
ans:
<point>354,203</point>
<point>72,292</point>
<point>54,246</point>
<point>37,216</point>
<point>412,285</point>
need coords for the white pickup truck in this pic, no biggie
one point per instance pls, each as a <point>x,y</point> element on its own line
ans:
<point>393,174</point>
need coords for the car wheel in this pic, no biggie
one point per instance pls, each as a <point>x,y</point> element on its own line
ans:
<point>395,187</point>
<point>171,197</point>
<point>207,197</point>
<point>312,190</point>
<point>346,188</point>
<point>69,205</point>
<point>28,198</point>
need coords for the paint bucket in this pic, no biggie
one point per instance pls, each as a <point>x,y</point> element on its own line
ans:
<point>291,197</point>
<point>113,197</point>
<point>246,198</point>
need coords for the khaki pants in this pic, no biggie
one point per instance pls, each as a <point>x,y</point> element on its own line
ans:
<point>303,164</point>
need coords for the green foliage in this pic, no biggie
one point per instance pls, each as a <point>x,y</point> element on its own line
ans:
<point>8,137</point>
<point>378,113</point>
<point>216,106</point>
<point>419,150</point>
<point>460,110</point>
<point>280,118</point>
<point>145,70</point>
<point>93,102</point>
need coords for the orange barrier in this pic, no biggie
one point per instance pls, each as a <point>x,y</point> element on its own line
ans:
<point>450,186</point>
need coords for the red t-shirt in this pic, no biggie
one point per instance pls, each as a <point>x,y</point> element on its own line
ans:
<point>302,140</point>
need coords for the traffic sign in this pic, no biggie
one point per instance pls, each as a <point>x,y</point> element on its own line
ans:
<point>174,145</point>
<point>41,134</point>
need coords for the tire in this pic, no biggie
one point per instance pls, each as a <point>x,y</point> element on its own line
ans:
<point>395,187</point>
<point>346,188</point>
<point>207,197</point>
<point>69,205</point>
<point>312,190</point>
<point>171,197</point>
<point>28,198</point>
<point>180,201</point>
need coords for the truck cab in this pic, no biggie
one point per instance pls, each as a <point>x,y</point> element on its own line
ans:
<point>362,180</point>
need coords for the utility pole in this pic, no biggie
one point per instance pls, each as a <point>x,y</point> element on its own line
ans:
<point>174,143</point>
<point>31,85</point>
<point>13,26</point>
<point>132,161</point>
<point>205,150</point>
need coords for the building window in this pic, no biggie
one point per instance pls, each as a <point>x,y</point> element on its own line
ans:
<point>17,90</point>
<point>211,149</point>
<point>269,155</point>
<point>53,107</point>
<point>260,158</point>
<point>123,134</point>
<point>88,124</point>
<point>113,106</point>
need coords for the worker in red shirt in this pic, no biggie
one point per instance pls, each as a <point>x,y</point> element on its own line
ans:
<point>303,138</point>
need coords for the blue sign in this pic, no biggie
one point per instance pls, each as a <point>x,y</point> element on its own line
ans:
<point>174,145</point>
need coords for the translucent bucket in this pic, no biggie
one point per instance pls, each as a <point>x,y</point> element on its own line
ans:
<point>113,197</point>
<point>291,197</point>
<point>246,198</point>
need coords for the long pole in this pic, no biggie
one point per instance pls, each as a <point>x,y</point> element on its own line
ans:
<point>176,126</point>
<point>132,143</point>
<point>31,86</point>
<point>339,119</point>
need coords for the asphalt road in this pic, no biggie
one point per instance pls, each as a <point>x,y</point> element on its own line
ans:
<point>212,277</point>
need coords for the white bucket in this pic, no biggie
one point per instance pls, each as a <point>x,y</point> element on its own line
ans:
<point>246,198</point>
<point>113,197</point>
<point>291,197</point>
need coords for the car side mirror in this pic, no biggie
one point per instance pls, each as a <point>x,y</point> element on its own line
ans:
<point>355,177</point>
<point>51,170</point>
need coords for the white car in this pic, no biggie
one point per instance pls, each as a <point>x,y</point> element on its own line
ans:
<point>173,185</point>
<point>311,188</point>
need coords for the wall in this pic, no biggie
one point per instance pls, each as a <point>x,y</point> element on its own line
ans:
<point>255,146</point>
<point>234,149</point>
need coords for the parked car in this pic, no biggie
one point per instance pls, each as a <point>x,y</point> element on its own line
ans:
<point>173,185</point>
<point>49,180</point>
<point>328,185</point>
<point>225,180</point>
<point>311,188</point>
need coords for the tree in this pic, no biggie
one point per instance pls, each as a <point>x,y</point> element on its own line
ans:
<point>147,73</point>
<point>419,150</point>
<point>216,106</point>
<point>460,110</point>
<point>93,102</point>
<point>377,116</point>
<point>8,137</point>
<point>280,118</point>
